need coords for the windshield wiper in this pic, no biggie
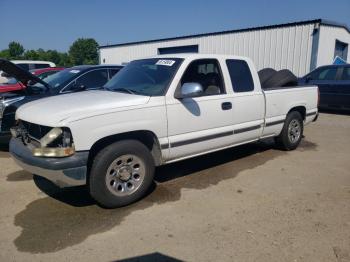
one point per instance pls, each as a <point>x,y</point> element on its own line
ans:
<point>124,90</point>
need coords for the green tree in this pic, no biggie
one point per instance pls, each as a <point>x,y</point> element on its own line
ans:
<point>65,60</point>
<point>84,51</point>
<point>31,55</point>
<point>5,54</point>
<point>53,56</point>
<point>16,50</point>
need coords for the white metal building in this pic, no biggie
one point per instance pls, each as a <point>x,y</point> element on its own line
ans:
<point>300,46</point>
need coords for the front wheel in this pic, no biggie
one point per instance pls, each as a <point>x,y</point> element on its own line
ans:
<point>292,132</point>
<point>121,173</point>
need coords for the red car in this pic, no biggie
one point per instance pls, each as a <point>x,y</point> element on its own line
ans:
<point>14,85</point>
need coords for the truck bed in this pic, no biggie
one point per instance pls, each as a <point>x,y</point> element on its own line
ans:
<point>278,105</point>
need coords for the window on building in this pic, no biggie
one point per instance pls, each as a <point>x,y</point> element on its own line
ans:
<point>178,49</point>
<point>241,78</point>
<point>341,50</point>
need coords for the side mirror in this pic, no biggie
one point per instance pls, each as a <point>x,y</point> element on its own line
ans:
<point>189,90</point>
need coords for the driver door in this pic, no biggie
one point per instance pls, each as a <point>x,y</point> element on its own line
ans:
<point>202,123</point>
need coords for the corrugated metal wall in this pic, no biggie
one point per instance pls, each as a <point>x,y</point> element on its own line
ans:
<point>283,47</point>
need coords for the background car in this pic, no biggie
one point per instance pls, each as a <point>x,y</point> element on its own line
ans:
<point>26,65</point>
<point>333,82</point>
<point>14,85</point>
<point>74,79</point>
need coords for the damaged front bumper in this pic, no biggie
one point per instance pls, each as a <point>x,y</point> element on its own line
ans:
<point>63,171</point>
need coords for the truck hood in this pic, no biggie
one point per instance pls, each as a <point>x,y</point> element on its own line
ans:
<point>20,74</point>
<point>61,109</point>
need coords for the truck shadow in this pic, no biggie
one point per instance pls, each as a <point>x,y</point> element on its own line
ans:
<point>19,176</point>
<point>68,216</point>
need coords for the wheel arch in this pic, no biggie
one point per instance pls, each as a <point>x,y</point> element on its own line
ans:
<point>146,137</point>
<point>299,109</point>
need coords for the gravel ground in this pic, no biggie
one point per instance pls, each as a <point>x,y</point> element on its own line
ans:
<point>251,203</point>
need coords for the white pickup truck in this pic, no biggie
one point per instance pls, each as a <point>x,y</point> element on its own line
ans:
<point>153,112</point>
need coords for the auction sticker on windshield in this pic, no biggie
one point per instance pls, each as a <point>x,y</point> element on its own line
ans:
<point>165,62</point>
<point>74,71</point>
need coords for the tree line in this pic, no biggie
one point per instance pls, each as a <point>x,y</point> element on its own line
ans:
<point>83,51</point>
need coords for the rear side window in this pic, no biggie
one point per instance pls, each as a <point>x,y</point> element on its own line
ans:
<point>36,66</point>
<point>241,77</point>
<point>23,66</point>
<point>346,74</point>
<point>328,73</point>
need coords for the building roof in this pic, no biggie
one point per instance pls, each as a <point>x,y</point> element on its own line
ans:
<point>314,21</point>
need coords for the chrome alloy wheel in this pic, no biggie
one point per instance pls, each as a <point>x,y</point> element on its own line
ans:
<point>125,175</point>
<point>294,131</point>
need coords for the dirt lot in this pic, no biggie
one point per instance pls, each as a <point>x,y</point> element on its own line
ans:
<point>251,203</point>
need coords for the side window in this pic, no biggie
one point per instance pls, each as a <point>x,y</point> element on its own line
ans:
<point>328,73</point>
<point>112,72</point>
<point>241,77</point>
<point>346,74</point>
<point>38,66</point>
<point>207,73</point>
<point>90,80</point>
<point>23,66</point>
<point>93,79</point>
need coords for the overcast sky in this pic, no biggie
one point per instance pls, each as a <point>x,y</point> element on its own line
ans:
<point>56,24</point>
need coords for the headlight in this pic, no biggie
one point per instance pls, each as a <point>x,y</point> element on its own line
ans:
<point>51,136</point>
<point>57,142</point>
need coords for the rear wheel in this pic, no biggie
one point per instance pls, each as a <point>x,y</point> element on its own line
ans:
<point>121,173</point>
<point>292,132</point>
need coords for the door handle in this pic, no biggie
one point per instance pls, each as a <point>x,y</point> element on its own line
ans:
<point>226,106</point>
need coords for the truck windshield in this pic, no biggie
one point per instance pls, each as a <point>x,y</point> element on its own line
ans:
<point>149,77</point>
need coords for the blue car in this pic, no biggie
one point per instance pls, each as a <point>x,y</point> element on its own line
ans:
<point>333,82</point>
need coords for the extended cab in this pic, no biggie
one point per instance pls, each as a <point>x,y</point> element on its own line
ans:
<point>153,112</point>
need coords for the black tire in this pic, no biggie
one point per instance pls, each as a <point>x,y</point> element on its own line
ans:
<point>281,78</point>
<point>103,194</point>
<point>265,74</point>
<point>284,140</point>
